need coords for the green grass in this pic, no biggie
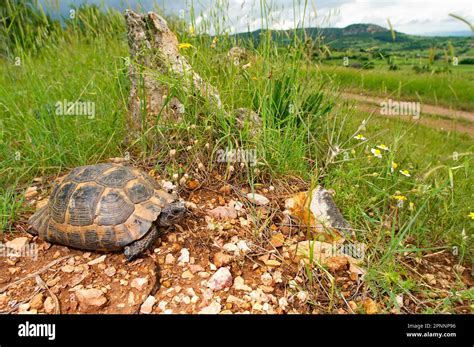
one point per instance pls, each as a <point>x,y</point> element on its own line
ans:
<point>300,126</point>
<point>444,89</point>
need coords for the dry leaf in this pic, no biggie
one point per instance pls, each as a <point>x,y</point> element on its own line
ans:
<point>370,306</point>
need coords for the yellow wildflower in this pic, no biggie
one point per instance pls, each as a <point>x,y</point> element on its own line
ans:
<point>360,137</point>
<point>376,152</point>
<point>184,45</point>
<point>399,197</point>
<point>405,173</point>
<point>394,166</point>
<point>383,147</point>
<point>214,42</point>
<point>471,215</point>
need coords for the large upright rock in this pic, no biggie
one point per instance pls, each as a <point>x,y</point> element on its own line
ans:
<point>156,64</point>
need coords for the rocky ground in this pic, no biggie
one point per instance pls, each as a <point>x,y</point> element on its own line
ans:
<point>223,259</point>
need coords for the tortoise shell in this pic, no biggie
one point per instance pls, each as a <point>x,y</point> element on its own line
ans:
<point>100,207</point>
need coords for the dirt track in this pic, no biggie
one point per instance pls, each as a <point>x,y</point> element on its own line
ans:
<point>451,120</point>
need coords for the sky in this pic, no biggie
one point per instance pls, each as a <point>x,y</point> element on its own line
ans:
<point>407,16</point>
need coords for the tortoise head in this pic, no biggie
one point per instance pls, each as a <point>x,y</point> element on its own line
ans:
<point>172,213</point>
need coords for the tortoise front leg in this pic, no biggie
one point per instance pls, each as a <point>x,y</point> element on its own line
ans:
<point>138,247</point>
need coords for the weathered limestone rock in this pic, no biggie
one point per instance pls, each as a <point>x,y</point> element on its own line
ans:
<point>156,64</point>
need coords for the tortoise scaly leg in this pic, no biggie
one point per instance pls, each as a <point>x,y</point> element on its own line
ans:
<point>138,247</point>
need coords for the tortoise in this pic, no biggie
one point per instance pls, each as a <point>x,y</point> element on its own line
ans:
<point>107,207</point>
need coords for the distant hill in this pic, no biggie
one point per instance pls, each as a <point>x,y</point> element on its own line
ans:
<point>362,36</point>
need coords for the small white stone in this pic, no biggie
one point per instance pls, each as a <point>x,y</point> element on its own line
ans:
<point>230,247</point>
<point>213,308</point>
<point>169,259</point>
<point>183,256</point>
<point>302,296</point>
<point>221,279</point>
<point>283,303</point>
<point>162,305</point>
<point>110,271</point>
<point>167,185</point>
<point>239,284</point>
<point>147,305</point>
<point>139,283</point>
<point>97,260</point>
<point>243,247</point>
<point>257,199</point>
<point>267,279</point>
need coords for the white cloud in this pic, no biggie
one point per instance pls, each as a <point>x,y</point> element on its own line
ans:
<point>413,17</point>
<point>409,16</point>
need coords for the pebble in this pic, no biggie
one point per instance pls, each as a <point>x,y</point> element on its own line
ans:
<point>67,268</point>
<point>234,300</point>
<point>272,262</point>
<point>430,278</point>
<point>239,284</point>
<point>31,192</point>
<point>204,274</point>
<point>283,303</point>
<point>169,259</point>
<point>3,299</point>
<point>277,276</point>
<point>221,279</point>
<point>162,305</point>
<point>257,199</point>
<point>139,283</point>
<point>97,260</point>
<point>230,247</point>
<point>91,297</point>
<point>49,305</point>
<point>267,279</point>
<point>302,296</point>
<point>183,257</point>
<point>131,298</point>
<point>148,304</point>
<point>37,301</point>
<point>187,275</point>
<point>243,247</point>
<point>110,271</point>
<point>221,259</point>
<point>213,308</point>
<point>207,294</point>
<point>18,244</point>
<point>23,308</point>
<point>195,268</point>
<point>223,212</point>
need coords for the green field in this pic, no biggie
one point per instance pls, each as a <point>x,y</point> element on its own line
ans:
<point>452,90</point>
<point>301,128</point>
